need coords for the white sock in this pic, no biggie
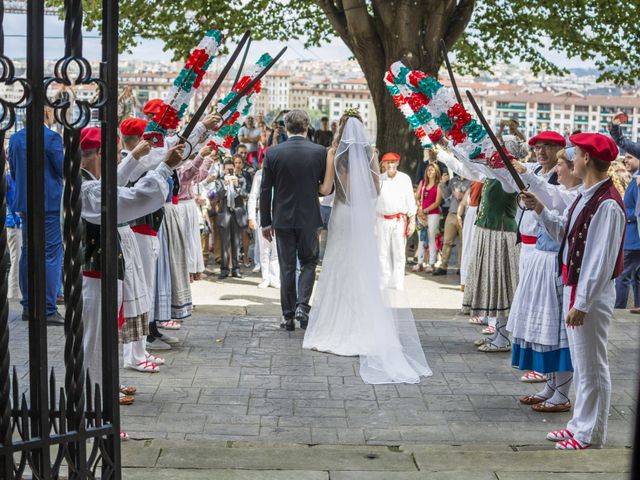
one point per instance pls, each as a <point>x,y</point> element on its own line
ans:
<point>549,387</point>
<point>501,338</point>
<point>562,386</point>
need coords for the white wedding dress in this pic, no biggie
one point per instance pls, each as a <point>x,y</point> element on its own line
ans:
<point>352,314</point>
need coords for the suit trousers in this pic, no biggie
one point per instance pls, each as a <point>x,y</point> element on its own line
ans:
<point>53,256</point>
<point>452,229</point>
<point>630,277</point>
<point>592,381</point>
<point>230,239</point>
<point>302,245</point>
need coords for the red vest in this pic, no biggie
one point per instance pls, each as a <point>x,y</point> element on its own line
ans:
<point>577,237</point>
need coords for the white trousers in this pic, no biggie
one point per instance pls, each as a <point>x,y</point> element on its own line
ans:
<point>588,346</point>
<point>269,265</point>
<point>433,225</point>
<point>134,353</point>
<point>191,228</point>
<point>14,243</point>
<point>391,247</point>
<point>92,318</point>
<point>149,247</point>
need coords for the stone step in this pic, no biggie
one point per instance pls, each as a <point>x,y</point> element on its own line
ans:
<point>246,461</point>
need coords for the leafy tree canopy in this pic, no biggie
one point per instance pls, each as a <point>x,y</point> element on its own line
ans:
<point>601,31</point>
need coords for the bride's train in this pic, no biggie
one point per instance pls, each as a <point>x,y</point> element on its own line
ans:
<point>353,314</point>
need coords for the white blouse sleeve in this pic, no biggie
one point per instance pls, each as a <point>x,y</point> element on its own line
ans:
<point>601,250</point>
<point>125,169</point>
<point>553,223</point>
<point>145,197</point>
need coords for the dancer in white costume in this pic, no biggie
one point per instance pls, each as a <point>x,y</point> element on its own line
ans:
<point>351,314</point>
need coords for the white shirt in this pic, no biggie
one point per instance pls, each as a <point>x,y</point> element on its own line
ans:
<point>254,195</point>
<point>602,244</point>
<point>396,195</point>
<point>145,197</point>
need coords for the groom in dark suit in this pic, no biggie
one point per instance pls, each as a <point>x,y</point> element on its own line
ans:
<point>292,172</point>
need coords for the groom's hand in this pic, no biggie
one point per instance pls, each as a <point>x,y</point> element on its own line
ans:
<point>267,233</point>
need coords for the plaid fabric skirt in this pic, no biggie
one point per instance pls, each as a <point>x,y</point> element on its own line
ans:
<point>134,328</point>
<point>493,274</point>
<point>181,306</point>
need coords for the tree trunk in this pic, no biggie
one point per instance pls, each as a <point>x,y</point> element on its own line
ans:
<point>384,31</point>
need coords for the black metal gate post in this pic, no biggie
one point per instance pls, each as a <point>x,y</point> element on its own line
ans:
<point>40,457</point>
<point>78,413</point>
<point>109,239</point>
<point>7,121</point>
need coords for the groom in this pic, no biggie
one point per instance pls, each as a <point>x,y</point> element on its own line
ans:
<point>292,172</point>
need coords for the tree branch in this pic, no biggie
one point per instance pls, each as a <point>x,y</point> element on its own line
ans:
<point>459,21</point>
<point>338,20</point>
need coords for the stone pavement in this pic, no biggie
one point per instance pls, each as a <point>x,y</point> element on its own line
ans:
<point>237,380</point>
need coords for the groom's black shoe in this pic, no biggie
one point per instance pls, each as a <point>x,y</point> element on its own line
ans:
<point>302,317</point>
<point>288,324</point>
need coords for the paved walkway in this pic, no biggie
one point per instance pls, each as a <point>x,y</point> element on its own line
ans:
<point>237,377</point>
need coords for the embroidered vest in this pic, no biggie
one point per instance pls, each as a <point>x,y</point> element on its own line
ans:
<point>91,243</point>
<point>576,238</point>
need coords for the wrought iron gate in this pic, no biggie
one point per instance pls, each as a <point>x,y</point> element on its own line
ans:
<point>74,426</point>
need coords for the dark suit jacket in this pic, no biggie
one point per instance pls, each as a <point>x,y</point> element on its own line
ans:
<point>291,174</point>
<point>238,210</point>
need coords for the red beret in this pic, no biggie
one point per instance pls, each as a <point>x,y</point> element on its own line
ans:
<point>436,135</point>
<point>597,145</point>
<point>153,106</point>
<point>548,136</point>
<point>90,138</point>
<point>391,157</point>
<point>133,126</point>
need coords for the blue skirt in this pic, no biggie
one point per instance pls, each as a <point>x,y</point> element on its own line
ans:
<point>542,359</point>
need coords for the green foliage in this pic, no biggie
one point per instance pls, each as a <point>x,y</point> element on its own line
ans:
<point>602,31</point>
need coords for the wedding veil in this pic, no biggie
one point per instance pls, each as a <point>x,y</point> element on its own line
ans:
<point>393,353</point>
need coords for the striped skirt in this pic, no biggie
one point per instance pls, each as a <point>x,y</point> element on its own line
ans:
<point>493,274</point>
<point>181,306</point>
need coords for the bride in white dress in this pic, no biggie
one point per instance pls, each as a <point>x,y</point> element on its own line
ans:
<point>352,314</point>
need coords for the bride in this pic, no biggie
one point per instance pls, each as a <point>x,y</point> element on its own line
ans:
<point>352,314</point>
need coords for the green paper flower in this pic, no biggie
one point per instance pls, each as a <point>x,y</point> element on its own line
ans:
<point>444,122</point>
<point>264,60</point>
<point>429,86</point>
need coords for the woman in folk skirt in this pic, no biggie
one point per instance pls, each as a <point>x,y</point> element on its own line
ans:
<point>135,308</point>
<point>493,271</point>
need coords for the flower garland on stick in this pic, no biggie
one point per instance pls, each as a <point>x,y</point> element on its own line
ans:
<point>424,101</point>
<point>234,118</point>
<point>186,84</point>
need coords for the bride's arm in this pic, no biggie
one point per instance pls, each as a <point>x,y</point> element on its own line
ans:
<point>375,171</point>
<point>326,187</point>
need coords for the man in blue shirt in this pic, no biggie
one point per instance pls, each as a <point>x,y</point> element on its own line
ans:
<point>53,185</point>
<point>631,274</point>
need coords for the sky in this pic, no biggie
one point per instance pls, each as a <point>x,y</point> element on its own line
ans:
<point>152,50</point>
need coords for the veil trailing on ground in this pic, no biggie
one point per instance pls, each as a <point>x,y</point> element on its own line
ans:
<point>388,344</point>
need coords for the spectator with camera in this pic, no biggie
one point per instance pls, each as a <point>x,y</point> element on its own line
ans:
<point>231,217</point>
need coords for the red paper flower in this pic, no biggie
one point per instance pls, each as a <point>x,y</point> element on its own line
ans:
<point>197,59</point>
<point>415,102</point>
<point>457,135</point>
<point>228,140</point>
<point>459,115</point>
<point>234,118</point>
<point>389,76</point>
<point>242,83</point>
<point>496,159</point>
<point>198,80</point>
<point>167,118</point>
<point>414,77</point>
<point>399,100</point>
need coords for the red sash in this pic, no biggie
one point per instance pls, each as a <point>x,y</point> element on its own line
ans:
<point>398,216</point>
